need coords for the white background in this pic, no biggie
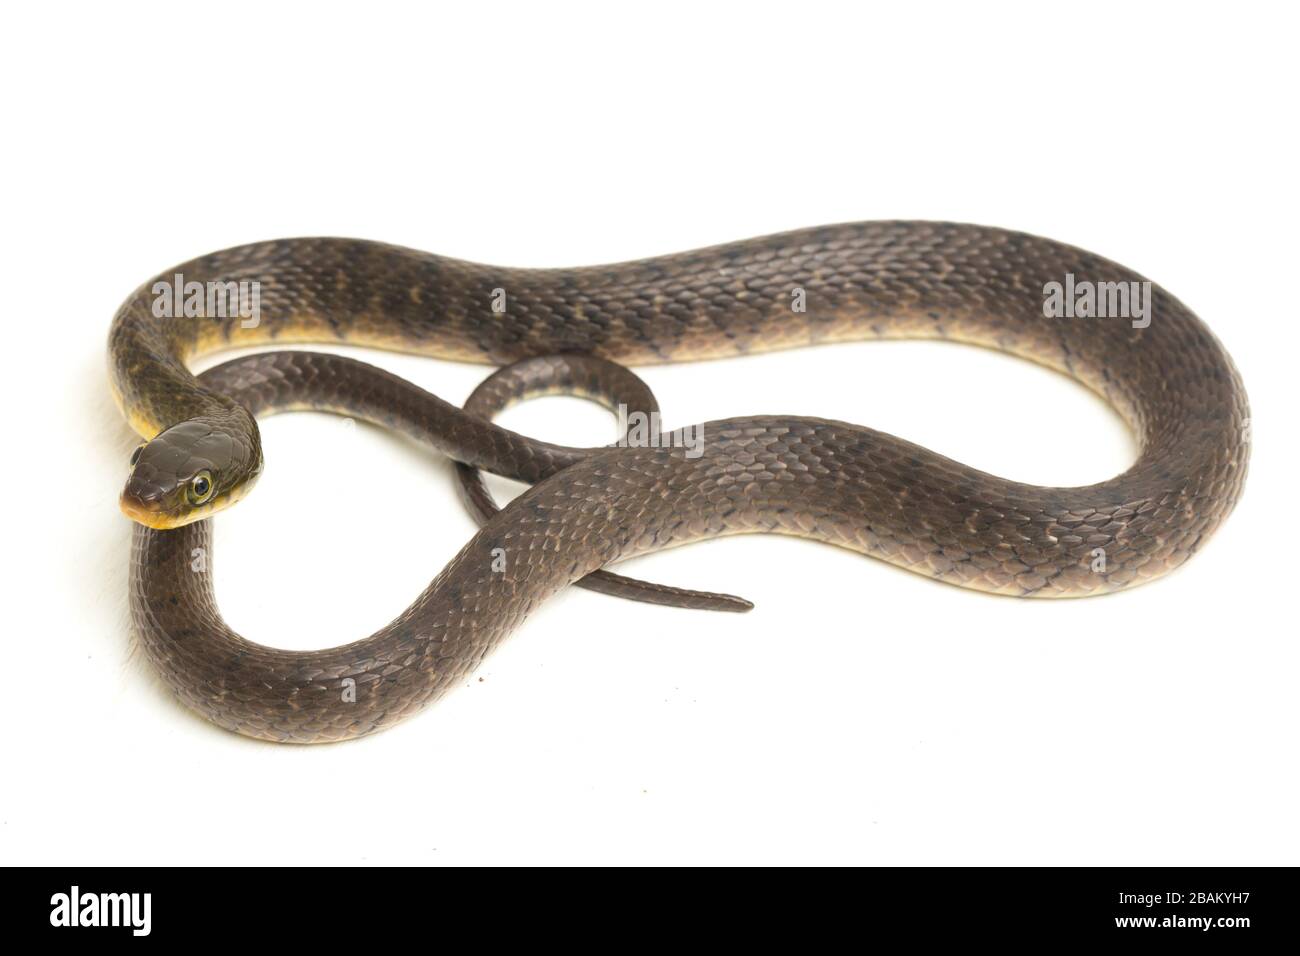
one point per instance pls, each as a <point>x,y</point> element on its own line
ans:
<point>859,714</point>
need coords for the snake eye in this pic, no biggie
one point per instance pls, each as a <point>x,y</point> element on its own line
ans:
<point>135,455</point>
<point>200,489</point>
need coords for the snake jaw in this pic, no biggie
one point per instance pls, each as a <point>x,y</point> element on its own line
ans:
<point>143,512</point>
<point>163,516</point>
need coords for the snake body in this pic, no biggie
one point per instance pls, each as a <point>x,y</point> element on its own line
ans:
<point>832,481</point>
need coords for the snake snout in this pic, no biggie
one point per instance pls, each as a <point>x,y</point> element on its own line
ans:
<point>145,491</point>
<point>147,499</point>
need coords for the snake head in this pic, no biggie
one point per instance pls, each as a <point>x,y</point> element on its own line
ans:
<point>190,471</point>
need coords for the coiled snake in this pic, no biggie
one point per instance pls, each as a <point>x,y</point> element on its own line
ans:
<point>840,483</point>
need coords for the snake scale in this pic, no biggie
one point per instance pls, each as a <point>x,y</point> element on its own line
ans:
<point>840,483</point>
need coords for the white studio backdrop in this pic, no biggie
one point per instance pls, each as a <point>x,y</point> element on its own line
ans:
<point>859,714</point>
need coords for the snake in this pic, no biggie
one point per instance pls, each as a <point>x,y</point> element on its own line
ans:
<point>843,484</point>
